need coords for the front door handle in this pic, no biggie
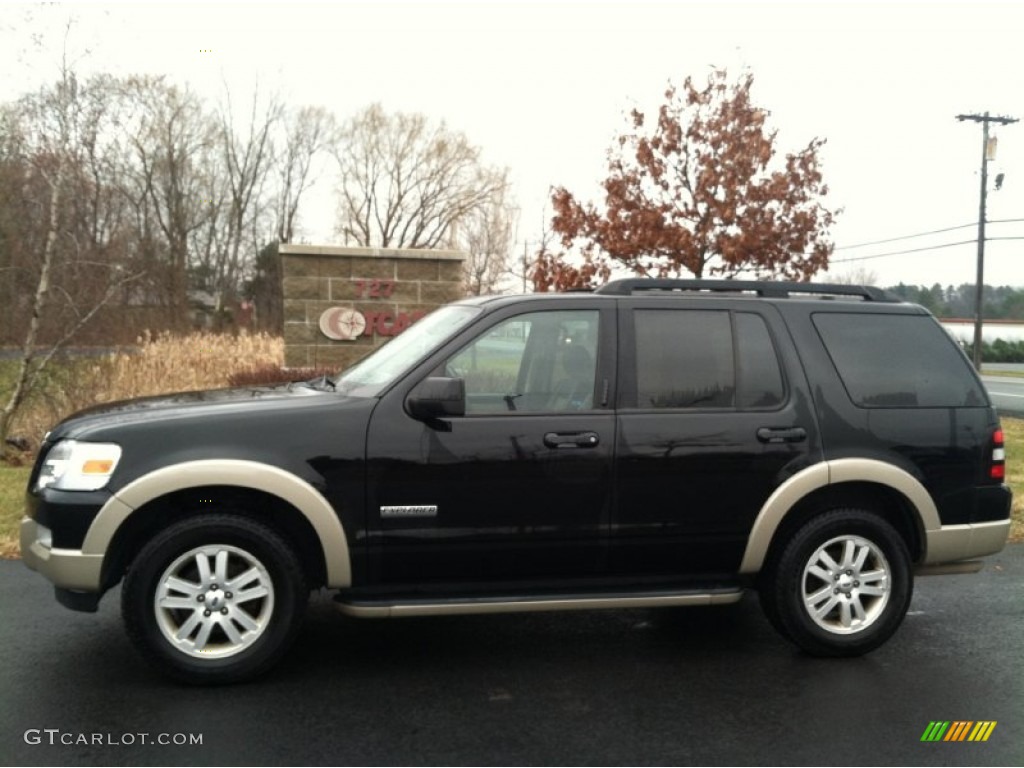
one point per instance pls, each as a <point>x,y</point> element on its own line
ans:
<point>781,434</point>
<point>571,439</point>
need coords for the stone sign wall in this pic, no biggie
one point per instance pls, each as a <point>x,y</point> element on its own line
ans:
<point>340,303</point>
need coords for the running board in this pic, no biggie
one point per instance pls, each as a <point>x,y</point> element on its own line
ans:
<point>393,609</point>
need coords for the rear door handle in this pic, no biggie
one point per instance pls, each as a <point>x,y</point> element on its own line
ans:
<point>571,439</point>
<point>782,434</point>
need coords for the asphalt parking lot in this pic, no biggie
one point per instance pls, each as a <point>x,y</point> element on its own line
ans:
<point>671,687</point>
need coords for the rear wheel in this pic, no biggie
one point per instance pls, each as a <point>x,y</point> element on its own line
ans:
<point>214,599</point>
<point>841,586</point>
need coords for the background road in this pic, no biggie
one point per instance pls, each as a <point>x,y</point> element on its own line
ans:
<point>1007,394</point>
<point>674,687</point>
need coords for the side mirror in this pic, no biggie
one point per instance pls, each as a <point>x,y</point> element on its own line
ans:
<point>437,397</point>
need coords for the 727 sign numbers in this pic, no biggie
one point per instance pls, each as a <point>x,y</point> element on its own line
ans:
<point>374,289</point>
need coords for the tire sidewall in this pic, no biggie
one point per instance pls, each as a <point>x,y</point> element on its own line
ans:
<point>793,614</point>
<point>143,581</point>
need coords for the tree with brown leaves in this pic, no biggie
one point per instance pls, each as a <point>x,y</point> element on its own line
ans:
<point>701,192</point>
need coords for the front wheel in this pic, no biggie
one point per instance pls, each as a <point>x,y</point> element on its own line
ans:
<point>214,599</point>
<point>842,585</point>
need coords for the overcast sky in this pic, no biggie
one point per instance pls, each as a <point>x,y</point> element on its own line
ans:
<point>542,88</point>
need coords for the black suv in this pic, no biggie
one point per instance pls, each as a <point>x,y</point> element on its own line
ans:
<point>653,443</point>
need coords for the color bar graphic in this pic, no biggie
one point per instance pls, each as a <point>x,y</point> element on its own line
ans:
<point>958,730</point>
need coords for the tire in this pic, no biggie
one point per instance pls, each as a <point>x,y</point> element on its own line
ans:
<point>841,586</point>
<point>214,599</point>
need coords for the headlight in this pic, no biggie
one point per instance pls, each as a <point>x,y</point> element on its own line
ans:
<point>74,466</point>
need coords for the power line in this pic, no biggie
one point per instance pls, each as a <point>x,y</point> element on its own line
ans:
<point>900,253</point>
<point>917,250</point>
<point>903,237</point>
<point>923,234</point>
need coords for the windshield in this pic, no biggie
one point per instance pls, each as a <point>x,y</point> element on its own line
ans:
<point>369,376</point>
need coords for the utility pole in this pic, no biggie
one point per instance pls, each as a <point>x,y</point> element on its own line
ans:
<point>980,284</point>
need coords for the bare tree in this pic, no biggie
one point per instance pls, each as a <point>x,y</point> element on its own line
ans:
<point>487,234</point>
<point>405,183</point>
<point>858,276</point>
<point>173,139</point>
<point>247,157</point>
<point>302,136</point>
<point>209,242</point>
<point>55,158</point>
<point>305,134</point>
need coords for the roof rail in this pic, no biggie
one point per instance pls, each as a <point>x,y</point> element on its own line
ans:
<point>764,289</point>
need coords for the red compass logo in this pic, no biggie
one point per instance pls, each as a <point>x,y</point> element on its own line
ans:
<point>342,324</point>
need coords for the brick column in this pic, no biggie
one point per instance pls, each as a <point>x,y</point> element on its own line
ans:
<point>387,289</point>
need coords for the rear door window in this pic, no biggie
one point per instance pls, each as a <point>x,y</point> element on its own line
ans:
<point>705,359</point>
<point>761,384</point>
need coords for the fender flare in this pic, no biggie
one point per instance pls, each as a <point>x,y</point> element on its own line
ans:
<point>230,472</point>
<point>821,475</point>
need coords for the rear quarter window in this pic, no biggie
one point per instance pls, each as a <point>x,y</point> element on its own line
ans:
<point>898,361</point>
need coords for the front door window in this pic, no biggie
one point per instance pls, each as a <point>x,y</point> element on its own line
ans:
<point>543,362</point>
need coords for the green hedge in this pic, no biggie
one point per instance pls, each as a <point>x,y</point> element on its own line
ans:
<point>999,351</point>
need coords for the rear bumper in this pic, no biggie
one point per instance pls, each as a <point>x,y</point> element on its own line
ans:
<point>952,543</point>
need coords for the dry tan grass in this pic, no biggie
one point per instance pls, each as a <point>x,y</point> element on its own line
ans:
<point>178,363</point>
<point>165,363</point>
<point>10,549</point>
<point>12,505</point>
<point>1014,431</point>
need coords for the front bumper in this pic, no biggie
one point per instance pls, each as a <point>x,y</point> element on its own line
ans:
<point>69,569</point>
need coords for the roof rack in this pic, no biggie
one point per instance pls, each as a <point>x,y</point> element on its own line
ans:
<point>765,289</point>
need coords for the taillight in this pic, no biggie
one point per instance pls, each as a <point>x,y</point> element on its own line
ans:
<point>997,469</point>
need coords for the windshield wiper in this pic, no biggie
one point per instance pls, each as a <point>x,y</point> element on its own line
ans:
<point>320,382</point>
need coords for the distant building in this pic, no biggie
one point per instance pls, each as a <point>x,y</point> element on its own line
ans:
<point>963,330</point>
